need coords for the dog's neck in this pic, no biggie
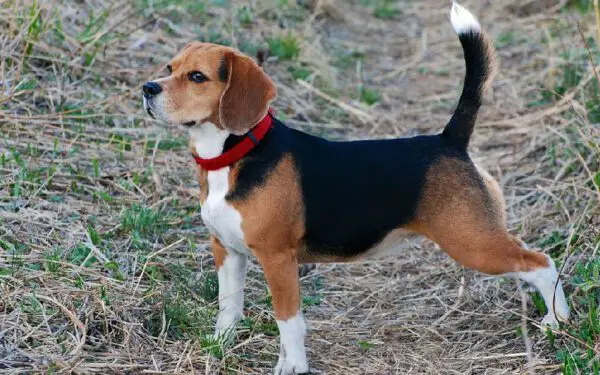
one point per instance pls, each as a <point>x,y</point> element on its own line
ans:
<point>208,140</point>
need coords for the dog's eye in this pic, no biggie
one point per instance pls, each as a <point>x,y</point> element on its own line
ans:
<point>197,77</point>
<point>169,69</point>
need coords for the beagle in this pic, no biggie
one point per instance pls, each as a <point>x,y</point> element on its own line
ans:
<point>287,197</point>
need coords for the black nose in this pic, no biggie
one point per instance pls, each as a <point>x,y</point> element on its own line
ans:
<point>150,89</point>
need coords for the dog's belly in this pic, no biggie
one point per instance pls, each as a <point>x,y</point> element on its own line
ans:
<point>222,219</point>
<point>394,242</point>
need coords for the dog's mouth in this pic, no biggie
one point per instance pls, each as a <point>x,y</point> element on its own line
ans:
<point>150,112</point>
<point>148,108</point>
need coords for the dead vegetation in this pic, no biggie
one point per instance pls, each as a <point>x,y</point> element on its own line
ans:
<point>104,265</point>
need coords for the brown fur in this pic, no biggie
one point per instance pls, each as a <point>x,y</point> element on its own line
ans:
<point>281,272</point>
<point>462,207</point>
<point>492,62</point>
<point>219,252</point>
<point>247,95</point>
<point>273,227</point>
<point>466,219</point>
<point>187,100</point>
<point>494,190</point>
<point>236,104</point>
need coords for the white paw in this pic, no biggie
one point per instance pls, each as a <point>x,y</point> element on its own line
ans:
<point>225,328</point>
<point>291,365</point>
<point>224,336</point>
<point>562,311</point>
<point>549,321</point>
<point>292,355</point>
<point>528,288</point>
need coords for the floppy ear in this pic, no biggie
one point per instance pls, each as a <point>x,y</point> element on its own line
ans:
<point>247,95</point>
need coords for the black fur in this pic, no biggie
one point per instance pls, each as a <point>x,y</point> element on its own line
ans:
<point>354,193</point>
<point>478,69</point>
<point>223,70</point>
<point>257,164</point>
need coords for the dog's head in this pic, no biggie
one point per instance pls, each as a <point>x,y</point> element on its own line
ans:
<point>210,83</point>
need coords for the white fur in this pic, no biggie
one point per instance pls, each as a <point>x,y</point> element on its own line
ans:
<point>157,104</point>
<point>462,20</point>
<point>222,220</point>
<point>545,280</point>
<point>208,140</point>
<point>232,276</point>
<point>292,355</point>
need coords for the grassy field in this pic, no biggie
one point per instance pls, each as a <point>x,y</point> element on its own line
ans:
<point>104,261</point>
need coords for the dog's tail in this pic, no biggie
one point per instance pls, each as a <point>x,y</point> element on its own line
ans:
<point>479,57</point>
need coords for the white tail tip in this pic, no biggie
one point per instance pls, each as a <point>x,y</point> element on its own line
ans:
<point>462,20</point>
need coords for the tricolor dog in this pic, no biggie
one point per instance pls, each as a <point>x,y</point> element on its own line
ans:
<point>287,197</point>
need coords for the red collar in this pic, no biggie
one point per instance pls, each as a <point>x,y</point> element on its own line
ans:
<point>240,150</point>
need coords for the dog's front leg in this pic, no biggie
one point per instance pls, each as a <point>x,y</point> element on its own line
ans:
<point>231,269</point>
<point>281,272</point>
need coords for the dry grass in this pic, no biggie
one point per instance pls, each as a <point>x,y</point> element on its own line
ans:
<point>104,265</point>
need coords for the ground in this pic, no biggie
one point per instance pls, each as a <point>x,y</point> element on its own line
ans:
<point>104,261</point>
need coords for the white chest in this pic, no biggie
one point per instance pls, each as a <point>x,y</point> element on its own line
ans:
<point>222,219</point>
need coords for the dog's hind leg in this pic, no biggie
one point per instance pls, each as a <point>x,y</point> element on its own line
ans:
<point>463,212</point>
<point>499,254</point>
